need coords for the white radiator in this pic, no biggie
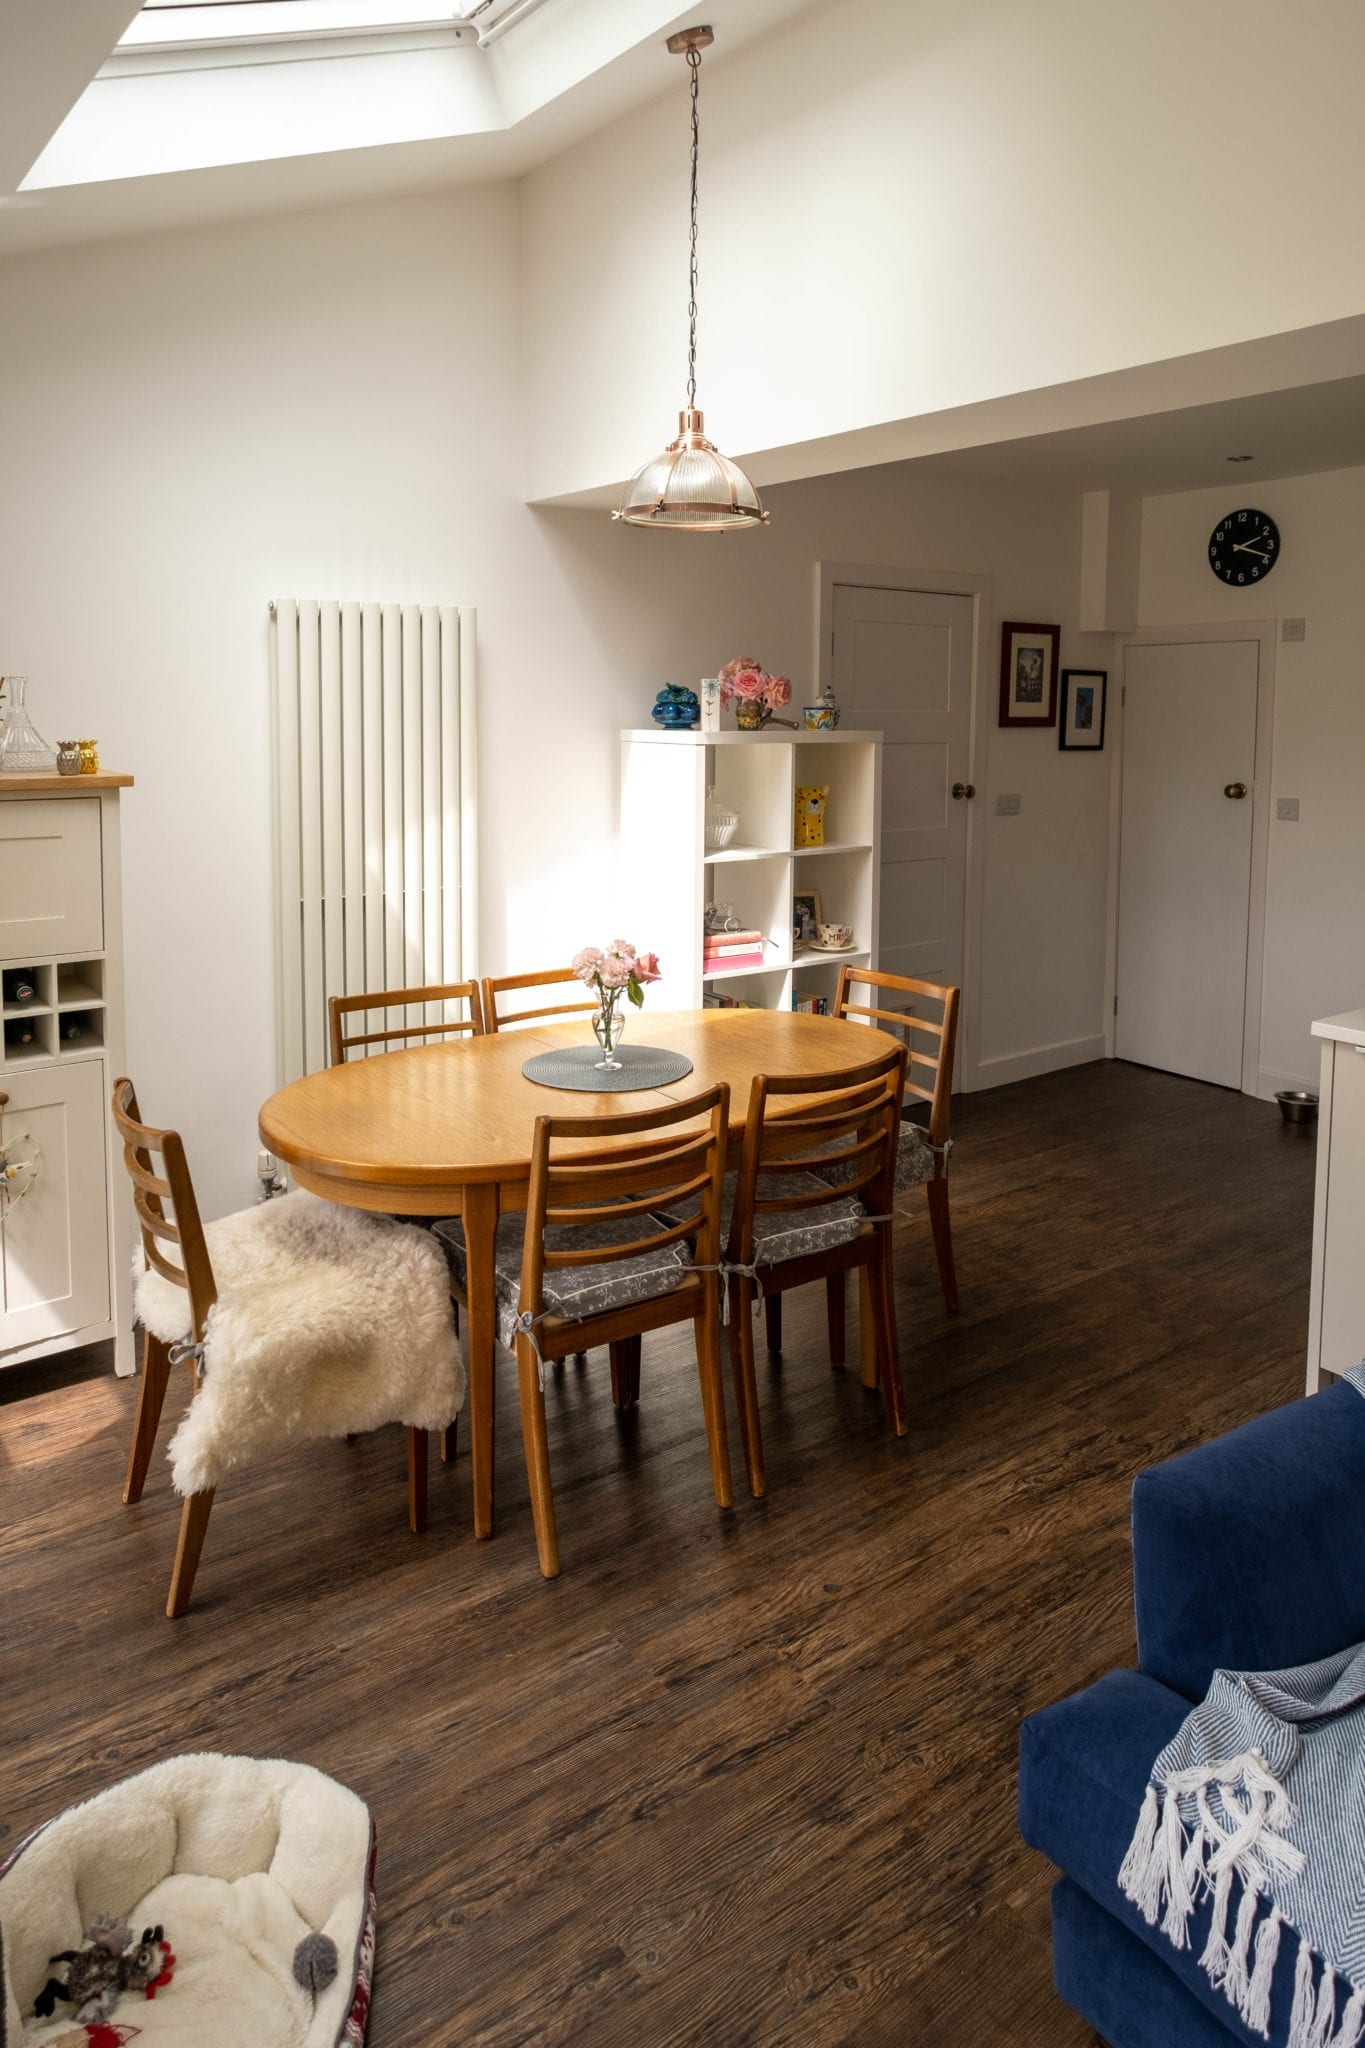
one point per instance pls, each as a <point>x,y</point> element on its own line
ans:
<point>375,827</point>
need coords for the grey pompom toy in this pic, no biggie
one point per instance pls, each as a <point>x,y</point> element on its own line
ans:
<point>315,1962</point>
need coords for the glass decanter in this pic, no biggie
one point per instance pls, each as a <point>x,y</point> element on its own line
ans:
<point>23,750</point>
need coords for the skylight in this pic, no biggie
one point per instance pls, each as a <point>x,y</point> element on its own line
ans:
<point>180,22</point>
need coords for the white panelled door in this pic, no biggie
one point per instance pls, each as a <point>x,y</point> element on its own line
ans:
<point>1189,775</point>
<point>902,665</point>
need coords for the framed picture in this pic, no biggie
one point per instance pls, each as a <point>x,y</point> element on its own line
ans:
<point>1084,691</point>
<point>805,915</point>
<point>1028,674</point>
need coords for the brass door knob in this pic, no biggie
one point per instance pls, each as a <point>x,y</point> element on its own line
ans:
<point>961,789</point>
<point>1234,789</point>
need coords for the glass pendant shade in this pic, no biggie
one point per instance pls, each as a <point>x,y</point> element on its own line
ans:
<point>691,485</point>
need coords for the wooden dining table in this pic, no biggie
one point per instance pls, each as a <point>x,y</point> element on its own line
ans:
<point>445,1129</point>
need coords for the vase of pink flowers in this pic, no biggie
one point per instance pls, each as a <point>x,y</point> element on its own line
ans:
<point>613,972</point>
<point>756,695</point>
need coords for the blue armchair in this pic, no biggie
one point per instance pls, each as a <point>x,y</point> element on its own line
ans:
<point>1248,1554</point>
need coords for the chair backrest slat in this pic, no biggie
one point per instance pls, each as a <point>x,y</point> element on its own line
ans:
<point>907,1022</point>
<point>498,1015</point>
<point>340,1007</point>
<point>182,1226</point>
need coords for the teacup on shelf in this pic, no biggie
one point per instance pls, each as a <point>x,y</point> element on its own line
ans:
<point>834,936</point>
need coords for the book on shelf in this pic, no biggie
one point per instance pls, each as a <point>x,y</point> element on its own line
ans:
<point>732,942</point>
<point>711,964</point>
<point>712,1000</point>
<point>810,1005</point>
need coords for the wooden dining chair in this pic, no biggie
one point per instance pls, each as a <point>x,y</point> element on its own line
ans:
<point>179,1229</point>
<point>602,1255</point>
<point>498,1014</point>
<point>789,1225</point>
<point>931,1043</point>
<point>339,1008</point>
<point>342,1007</point>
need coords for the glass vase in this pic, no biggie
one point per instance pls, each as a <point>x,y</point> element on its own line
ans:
<point>609,1028</point>
<point>23,750</point>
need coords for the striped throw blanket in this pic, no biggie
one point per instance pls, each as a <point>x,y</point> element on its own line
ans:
<point>1259,1804</point>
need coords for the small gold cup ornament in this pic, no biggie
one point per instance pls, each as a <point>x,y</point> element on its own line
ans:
<point>90,757</point>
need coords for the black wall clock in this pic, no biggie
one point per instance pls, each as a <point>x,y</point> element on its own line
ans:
<point>1244,547</point>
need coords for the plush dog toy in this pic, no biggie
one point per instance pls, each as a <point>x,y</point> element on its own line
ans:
<point>109,1963</point>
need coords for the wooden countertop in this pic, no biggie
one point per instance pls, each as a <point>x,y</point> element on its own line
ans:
<point>61,785</point>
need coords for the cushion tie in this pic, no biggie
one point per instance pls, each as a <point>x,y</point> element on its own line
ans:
<point>525,1326</point>
<point>189,1350</point>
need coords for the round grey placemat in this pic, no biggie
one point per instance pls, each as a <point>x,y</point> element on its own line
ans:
<point>575,1066</point>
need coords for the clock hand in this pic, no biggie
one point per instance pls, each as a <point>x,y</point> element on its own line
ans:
<point>1244,547</point>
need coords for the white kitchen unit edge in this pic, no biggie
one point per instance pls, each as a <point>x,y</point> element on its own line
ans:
<point>65,1248</point>
<point>1336,1307</point>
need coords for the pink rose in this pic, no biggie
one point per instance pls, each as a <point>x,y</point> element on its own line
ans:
<point>732,668</point>
<point>749,684</point>
<point>647,967</point>
<point>779,692</point>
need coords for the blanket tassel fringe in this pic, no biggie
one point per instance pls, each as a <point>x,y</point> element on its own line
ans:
<point>1170,1868</point>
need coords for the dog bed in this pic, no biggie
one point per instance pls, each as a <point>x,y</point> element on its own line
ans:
<point>262,1874</point>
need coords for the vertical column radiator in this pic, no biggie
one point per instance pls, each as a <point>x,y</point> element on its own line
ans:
<point>375,823</point>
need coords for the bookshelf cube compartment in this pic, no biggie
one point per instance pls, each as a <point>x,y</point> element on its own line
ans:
<point>850,774</point>
<point>756,782</point>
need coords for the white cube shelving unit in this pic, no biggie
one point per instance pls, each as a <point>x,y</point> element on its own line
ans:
<point>65,1276</point>
<point>670,877</point>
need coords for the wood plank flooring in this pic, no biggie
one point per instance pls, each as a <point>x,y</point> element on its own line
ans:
<point>731,1780</point>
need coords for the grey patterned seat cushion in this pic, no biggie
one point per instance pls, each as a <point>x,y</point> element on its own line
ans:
<point>914,1161</point>
<point>794,1233</point>
<point>573,1291</point>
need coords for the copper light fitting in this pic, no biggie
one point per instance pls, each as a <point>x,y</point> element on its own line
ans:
<point>692,486</point>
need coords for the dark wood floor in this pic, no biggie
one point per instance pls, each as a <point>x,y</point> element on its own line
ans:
<point>730,1780</point>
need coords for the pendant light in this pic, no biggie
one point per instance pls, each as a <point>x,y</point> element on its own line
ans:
<point>692,485</point>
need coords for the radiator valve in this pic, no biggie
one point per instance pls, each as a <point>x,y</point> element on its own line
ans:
<point>271,1179</point>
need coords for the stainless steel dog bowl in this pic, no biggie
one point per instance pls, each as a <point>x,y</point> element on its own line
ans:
<point>1297,1105</point>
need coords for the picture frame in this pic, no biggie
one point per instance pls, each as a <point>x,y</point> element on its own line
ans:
<point>1028,674</point>
<point>1084,701</point>
<point>805,915</point>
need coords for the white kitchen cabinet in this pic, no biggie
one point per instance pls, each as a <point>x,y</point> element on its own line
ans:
<point>64,1242</point>
<point>1336,1314</point>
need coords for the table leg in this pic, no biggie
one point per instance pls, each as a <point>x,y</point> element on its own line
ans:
<point>479,1210</point>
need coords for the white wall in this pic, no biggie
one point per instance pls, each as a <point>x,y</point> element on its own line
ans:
<point>1315,901</point>
<point>326,405</point>
<point>909,206</point>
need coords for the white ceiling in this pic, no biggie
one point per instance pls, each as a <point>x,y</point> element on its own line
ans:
<point>1287,433</point>
<point>450,117</point>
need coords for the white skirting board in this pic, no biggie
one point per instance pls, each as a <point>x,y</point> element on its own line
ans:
<point>1038,1059</point>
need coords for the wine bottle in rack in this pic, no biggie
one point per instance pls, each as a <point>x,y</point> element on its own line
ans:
<point>18,1034</point>
<point>75,1026</point>
<point>19,988</point>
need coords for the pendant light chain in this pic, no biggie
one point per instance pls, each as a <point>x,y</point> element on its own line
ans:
<point>694,60</point>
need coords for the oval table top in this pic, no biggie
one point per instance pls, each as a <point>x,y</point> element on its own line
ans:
<point>379,1132</point>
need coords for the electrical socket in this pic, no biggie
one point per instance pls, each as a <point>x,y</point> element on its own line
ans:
<point>1287,809</point>
<point>1293,629</point>
<point>1008,806</point>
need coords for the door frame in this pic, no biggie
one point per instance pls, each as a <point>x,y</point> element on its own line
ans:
<point>980,589</point>
<point>1263,632</point>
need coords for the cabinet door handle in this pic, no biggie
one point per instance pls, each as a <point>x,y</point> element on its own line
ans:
<point>1234,789</point>
<point>961,789</point>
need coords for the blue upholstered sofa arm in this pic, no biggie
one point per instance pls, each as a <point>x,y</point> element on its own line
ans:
<point>1249,1553</point>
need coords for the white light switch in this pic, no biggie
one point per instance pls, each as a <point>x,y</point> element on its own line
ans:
<point>1293,629</point>
<point>1008,806</point>
<point>1287,808</point>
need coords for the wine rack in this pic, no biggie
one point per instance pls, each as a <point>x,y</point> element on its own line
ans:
<point>61,1019</point>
